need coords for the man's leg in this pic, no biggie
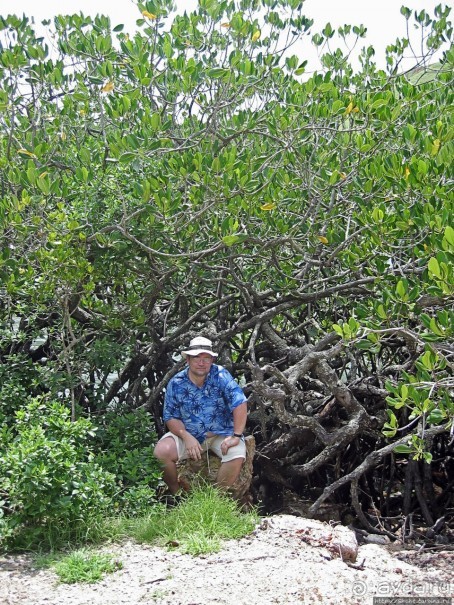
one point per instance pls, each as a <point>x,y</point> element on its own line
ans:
<point>229,472</point>
<point>166,452</point>
<point>232,462</point>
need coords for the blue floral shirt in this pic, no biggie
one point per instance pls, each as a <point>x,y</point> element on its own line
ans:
<point>204,409</point>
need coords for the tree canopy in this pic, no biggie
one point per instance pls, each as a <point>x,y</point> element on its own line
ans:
<point>191,177</point>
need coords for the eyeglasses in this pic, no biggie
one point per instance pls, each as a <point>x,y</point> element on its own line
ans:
<point>204,360</point>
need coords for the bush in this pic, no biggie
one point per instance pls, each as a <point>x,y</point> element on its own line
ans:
<point>20,380</point>
<point>124,444</point>
<point>49,480</point>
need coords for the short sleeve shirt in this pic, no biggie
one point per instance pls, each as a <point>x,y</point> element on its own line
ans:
<point>204,409</point>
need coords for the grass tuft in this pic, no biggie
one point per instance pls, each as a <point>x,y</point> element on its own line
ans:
<point>199,524</point>
<point>85,566</point>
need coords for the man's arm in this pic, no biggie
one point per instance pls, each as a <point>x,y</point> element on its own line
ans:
<point>193,447</point>
<point>240,418</point>
<point>239,424</point>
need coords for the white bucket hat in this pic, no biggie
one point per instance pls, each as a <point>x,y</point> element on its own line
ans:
<point>198,345</point>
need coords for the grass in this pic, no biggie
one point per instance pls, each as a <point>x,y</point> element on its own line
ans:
<point>80,566</point>
<point>53,536</point>
<point>198,525</point>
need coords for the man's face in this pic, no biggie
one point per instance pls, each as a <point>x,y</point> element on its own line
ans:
<point>199,365</point>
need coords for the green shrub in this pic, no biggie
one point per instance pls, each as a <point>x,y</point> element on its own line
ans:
<point>124,444</point>
<point>21,380</point>
<point>49,479</point>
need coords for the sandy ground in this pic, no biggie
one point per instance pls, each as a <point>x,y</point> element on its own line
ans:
<point>285,560</point>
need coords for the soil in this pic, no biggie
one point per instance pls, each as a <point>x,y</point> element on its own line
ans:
<point>286,560</point>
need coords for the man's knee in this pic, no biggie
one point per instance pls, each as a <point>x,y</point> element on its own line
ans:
<point>233,466</point>
<point>237,462</point>
<point>166,450</point>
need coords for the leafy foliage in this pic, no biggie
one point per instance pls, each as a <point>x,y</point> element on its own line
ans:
<point>192,177</point>
<point>124,444</point>
<point>48,475</point>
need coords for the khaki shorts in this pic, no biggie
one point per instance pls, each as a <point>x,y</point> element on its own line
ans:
<point>213,444</point>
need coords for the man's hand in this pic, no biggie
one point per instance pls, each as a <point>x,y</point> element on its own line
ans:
<point>193,447</point>
<point>228,443</point>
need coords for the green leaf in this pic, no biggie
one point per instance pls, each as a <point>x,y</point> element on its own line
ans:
<point>364,345</point>
<point>230,240</point>
<point>377,215</point>
<point>43,184</point>
<point>448,239</point>
<point>381,312</point>
<point>155,121</point>
<point>401,289</point>
<point>338,329</point>
<point>127,157</point>
<point>435,327</point>
<point>218,72</point>
<point>436,416</point>
<point>428,360</point>
<point>353,325</point>
<point>403,449</point>
<point>449,235</point>
<point>31,173</point>
<point>379,103</point>
<point>434,267</point>
<point>427,457</point>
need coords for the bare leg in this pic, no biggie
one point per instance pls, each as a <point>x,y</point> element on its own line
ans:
<point>229,472</point>
<point>166,452</point>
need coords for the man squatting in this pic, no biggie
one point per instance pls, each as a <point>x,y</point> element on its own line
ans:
<point>204,409</point>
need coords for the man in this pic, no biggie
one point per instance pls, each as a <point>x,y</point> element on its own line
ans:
<point>204,409</point>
